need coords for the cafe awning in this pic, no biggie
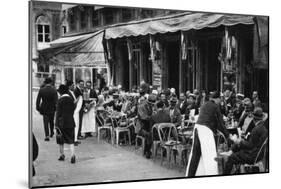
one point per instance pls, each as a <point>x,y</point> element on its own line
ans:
<point>76,51</point>
<point>179,22</point>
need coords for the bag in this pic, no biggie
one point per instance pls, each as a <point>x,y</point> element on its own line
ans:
<point>59,137</point>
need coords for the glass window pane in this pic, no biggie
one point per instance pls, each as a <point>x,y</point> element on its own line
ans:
<point>47,29</point>
<point>40,37</point>
<point>47,38</point>
<point>40,28</point>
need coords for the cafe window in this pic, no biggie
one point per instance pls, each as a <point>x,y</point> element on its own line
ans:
<point>43,29</point>
<point>108,16</point>
<point>83,18</point>
<point>95,18</point>
<point>127,15</point>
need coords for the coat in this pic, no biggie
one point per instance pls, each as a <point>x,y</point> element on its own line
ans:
<point>248,149</point>
<point>46,100</point>
<point>65,111</point>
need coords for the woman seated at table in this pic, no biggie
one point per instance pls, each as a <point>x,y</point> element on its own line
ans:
<point>245,150</point>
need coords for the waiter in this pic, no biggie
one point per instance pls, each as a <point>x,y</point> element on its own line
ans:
<point>203,152</point>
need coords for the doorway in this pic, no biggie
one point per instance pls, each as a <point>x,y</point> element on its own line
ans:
<point>173,49</point>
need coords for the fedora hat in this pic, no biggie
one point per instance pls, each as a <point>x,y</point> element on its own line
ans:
<point>258,113</point>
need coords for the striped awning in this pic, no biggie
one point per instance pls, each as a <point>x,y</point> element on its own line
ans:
<point>76,51</point>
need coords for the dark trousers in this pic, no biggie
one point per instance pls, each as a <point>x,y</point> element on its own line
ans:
<point>48,120</point>
<point>147,134</point>
<point>196,154</point>
<point>80,121</point>
<point>235,159</point>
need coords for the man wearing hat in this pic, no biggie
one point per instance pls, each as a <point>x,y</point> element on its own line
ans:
<point>246,150</point>
<point>145,110</point>
<point>46,105</point>
<point>174,112</point>
<point>203,152</point>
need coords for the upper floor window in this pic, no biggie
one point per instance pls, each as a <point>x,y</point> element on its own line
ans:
<point>71,17</point>
<point>108,16</point>
<point>127,15</point>
<point>95,18</point>
<point>64,30</point>
<point>83,18</point>
<point>43,29</point>
<point>146,13</point>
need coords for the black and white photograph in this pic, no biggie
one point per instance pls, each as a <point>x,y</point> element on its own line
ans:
<point>126,94</point>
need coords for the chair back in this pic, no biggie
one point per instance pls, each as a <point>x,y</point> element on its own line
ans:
<point>166,132</point>
<point>262,153</point>
<point>221,141</point>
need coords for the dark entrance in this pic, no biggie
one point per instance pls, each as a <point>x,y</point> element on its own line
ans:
<point>125,67</point>
<point>173,51</point>
<point>214,68</point>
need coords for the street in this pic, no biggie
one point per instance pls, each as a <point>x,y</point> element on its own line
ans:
<point>96,162</point>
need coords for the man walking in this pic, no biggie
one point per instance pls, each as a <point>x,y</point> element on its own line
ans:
<point>46,105</point>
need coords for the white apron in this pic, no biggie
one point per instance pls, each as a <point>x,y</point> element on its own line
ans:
<point>89,121</point>
<point>76,116</point>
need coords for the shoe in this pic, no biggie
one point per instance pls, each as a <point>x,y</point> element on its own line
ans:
<point>47,139</point>
<point>148,155</point>
<point>89,135</point>
<point>61,158</point>
<point>73,159</point>
<point>76,143</point>
<point>52,134</point>
<point>81,137</point>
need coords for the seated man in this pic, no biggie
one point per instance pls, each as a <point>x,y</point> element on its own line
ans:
<point>245,151</point>
<point>246,122</point>
<point>175,114</point>
<point>162,115</point>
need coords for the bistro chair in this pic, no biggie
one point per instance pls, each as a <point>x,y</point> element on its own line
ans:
<point>122,126</point>
<point>167,133</point>
<point>156,140</point>
<point>103,124</point>
<point>261,161</point>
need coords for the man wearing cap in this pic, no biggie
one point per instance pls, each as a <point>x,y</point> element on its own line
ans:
<point>175,113</point>
<point>246,150</point>
<point>145,110</point>
<point>46,105</point>
<point>203,152</point>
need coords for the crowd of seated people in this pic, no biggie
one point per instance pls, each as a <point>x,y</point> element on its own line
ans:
<point>150,106</point>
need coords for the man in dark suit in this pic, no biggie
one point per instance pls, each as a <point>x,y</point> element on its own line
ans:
<point>145,110</point>
<point>78,91</point>
<point>175,114</point>
<point>182,104</point>
<point>46,104</point>
<point>246,150</point>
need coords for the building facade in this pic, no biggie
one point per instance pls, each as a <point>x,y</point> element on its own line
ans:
<point>47,24</point>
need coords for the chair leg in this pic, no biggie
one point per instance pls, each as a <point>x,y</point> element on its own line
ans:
<point>117,138</point>
<point>98,135</point>
<point>129,134</point>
